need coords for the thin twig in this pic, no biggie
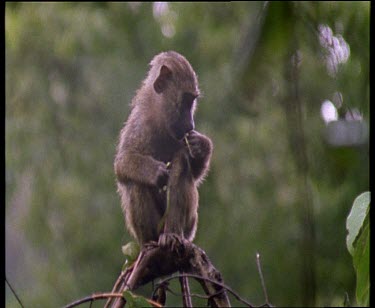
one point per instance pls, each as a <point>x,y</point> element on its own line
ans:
<point>261,278</point>
<point>93,298</point>
<point>118,283</point>
<point>188,145</point>
<point>186,299</point>
<point>100,296</point>
<point>124,286</point>
<point>191,294</point>
<point>14,292</point>
<point>239,298</point>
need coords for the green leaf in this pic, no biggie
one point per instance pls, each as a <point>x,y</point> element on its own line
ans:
<point>135,301</point>
<point>356,217</point>
<point>361,261</point>
<point>131,252</point>
<point>358,242</point>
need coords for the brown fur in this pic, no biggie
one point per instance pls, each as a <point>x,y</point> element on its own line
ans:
<point>162,113</point>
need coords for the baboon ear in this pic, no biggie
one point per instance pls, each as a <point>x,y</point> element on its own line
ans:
<point>161,82</point>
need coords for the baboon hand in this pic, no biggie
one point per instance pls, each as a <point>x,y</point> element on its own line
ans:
<point>199,146</point>
<point>162,175</point>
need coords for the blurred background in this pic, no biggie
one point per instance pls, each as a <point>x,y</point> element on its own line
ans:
<point>286,103</point>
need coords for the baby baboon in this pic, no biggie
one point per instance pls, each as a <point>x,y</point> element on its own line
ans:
<point>160,153</point>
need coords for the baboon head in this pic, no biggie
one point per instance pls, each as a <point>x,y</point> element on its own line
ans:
<point>176,87</point>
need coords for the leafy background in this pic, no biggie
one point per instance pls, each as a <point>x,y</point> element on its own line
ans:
<point>276,185</point>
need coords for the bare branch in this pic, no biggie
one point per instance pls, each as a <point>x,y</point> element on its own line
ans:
<point>155,261</point>
<point>14,292</point>
<point>92,298</point>
<point>223,286</point>
<point>261,278</point>
<point>185,288</point>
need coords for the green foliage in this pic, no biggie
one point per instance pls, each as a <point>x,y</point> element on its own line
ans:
<point>135,301</point>
<point>356,218</point>
<point>131,252</point>
<point>358,243</point>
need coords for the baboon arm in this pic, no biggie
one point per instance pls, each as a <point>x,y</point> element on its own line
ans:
<point>138,168</point>
<point>199,168</point>
<point>200,150</point>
